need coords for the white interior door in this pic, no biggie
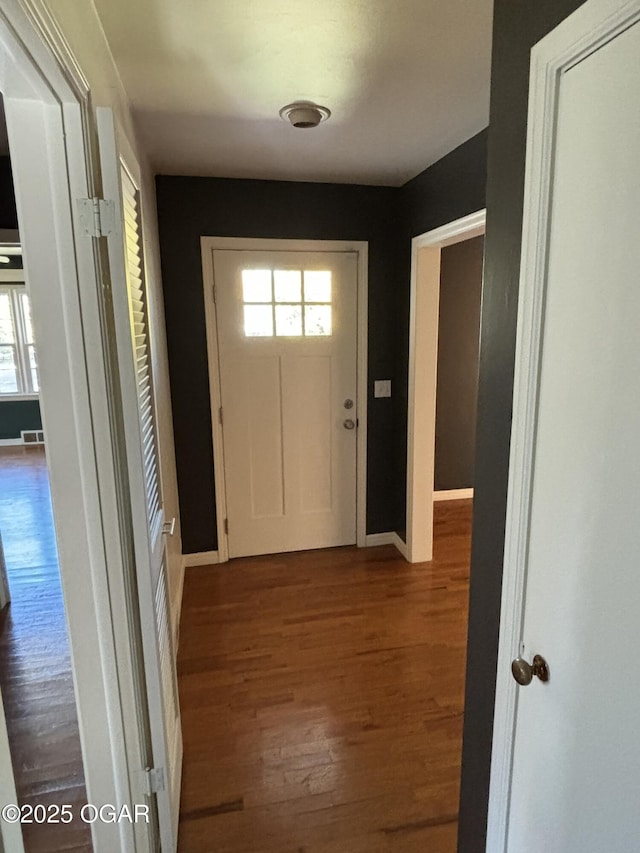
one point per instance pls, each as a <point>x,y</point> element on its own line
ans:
<point>574,493</point>
<point>132,332</point>
<point>287,339</point>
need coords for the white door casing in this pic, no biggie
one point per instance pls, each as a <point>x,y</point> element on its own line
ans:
<point>326,248</point>
<point>566,753</point>
<point>290,461</point>
<point>10,833</point>
<point>426,250</point>
<point>132,332</point>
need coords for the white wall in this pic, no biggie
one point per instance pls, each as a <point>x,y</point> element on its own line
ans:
<point>81,27</point>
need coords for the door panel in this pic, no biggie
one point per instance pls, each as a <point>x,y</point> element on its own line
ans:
<point>263,407</point>
<point>311,388</point>
<point>132,333</point>
<point>574,786</point>
<point>287,339</point>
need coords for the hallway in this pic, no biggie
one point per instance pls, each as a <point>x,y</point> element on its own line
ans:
<point>322,698</point>
<point>35,668</point>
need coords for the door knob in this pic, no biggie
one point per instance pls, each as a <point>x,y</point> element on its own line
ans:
<point>349,423</point>
<point>523,671</point>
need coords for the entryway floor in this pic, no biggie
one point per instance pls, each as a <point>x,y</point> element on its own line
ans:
<point>35,667</point>
<point>322,699</point>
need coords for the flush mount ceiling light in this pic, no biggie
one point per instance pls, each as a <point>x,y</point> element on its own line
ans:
<point>304,114</point>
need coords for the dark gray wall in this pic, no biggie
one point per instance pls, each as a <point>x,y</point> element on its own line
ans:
<point>8,214</point>
<point>457,389</point>
<point>189,208</point>
<point>387,218</point>
<point>450,189</point>
<point>518,25</point>
<point>16,415</point>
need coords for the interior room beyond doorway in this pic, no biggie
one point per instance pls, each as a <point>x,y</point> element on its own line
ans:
<point>35,667</point>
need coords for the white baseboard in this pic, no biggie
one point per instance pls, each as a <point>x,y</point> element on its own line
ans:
<point>374,539</point>
<point>392,538</point>
<point>400,544</point>
<point>11,442</point>
<point>452,494</point>
<point>203,558</point>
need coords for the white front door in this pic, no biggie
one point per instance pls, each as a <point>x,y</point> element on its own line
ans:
<point>573,531</point>
<point>287,338</point>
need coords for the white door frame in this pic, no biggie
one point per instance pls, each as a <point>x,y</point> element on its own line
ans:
<point>249,244</point>
<point>11,840</point>
<point>423,367</point>
<point>49,123</point>
<point>587,29</point>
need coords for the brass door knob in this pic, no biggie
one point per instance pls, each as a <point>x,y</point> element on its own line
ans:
<point>523,671</point>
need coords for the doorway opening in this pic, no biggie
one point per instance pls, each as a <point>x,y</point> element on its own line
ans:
<point>450,408</point>
<point>36,678</point>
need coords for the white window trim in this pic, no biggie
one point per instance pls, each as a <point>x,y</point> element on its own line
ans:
<point>15,289</point>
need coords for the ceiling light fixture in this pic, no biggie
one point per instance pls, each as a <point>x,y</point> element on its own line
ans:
<point>304,114</point>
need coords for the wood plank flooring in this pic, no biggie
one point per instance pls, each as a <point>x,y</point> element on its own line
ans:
<point>322,699</point>
<point>35,668</point>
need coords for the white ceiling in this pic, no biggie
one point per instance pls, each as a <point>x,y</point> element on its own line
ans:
<point>407,81</point>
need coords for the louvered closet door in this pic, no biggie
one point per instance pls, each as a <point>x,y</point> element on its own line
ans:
<point>134,354</point>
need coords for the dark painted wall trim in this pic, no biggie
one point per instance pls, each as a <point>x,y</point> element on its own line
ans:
<point>517,27</point>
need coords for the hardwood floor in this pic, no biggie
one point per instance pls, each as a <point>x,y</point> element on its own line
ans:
<point>35,668</point>
<point>322,699</point>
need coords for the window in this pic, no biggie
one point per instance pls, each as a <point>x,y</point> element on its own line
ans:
<point>18,364</point>
<point>288,303</point>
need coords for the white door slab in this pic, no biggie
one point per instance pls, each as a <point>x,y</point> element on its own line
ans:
<point>131,319</point>
<point>287,338</point>
<point>572,579</point>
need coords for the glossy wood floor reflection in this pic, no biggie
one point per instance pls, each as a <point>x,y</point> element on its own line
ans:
<point>35,668</point>
<point>322,698</point>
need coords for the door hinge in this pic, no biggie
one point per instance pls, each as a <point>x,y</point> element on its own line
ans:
<point>226,526</point>
<point>215,293</point>
<point>154,780</point>
<point>220,416</point>
<point>97,216</point>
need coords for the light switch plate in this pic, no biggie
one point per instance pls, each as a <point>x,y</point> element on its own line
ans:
<point>382,388</point>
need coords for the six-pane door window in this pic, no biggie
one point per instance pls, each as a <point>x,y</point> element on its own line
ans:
<point>290,303</point>
<point>18,365</point>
